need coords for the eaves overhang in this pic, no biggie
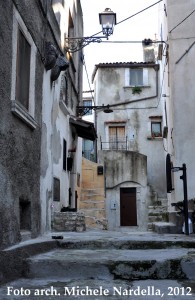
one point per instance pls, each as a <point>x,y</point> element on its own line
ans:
<point>84,129</point>
<point>124,65</point>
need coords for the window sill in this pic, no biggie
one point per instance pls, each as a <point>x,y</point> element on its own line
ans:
<point>19,111</point>
<point>156,138</point>
<point>132,86</point>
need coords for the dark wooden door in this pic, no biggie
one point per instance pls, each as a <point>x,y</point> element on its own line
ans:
<point>128,208</point>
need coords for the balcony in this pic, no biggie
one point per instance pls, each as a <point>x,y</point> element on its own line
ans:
<point>114,144</point>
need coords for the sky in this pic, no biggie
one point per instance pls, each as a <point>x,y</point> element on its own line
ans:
<point>137,28</point>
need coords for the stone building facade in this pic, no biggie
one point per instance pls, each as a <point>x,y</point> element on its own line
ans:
<point>130,142</point>
<point>40,87</point>
<point>177,51</point>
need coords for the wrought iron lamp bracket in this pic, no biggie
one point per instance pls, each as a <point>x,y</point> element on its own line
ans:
<point>74,44</point>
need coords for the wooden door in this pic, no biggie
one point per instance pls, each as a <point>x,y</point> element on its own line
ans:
<point>116,137</point>
<point>128,208</point>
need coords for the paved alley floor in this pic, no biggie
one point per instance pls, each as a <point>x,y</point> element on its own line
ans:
<point>78,267</point>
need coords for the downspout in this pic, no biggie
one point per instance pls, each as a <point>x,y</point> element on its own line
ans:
<point>156,68</point>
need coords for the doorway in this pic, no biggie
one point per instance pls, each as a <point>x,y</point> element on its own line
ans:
<point>128,207</point>
<point>117,138</point>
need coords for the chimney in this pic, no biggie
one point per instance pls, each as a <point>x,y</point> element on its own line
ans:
<point>148,50</point>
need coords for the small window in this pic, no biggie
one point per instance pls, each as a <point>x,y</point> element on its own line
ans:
<point>136,77</point>
<point>23,70</point>
<point>88,110</point>
<point>156,130</point>
<point>56,189</point>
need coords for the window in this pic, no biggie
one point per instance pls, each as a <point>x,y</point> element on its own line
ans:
<point>88,110</point>
<point>156,129</point>
<point>23,72</point>
<point>56,189</point>
<point>64,155</point>
<point>136,77</point>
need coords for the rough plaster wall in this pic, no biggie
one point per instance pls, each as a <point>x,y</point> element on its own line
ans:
<point>125,169</point>
<point>111,79</point>
<point>56,145</point>
<point>182,90</point>
<point>20,146</point>
<point>135,117</point>
<point>44,151</point>
<point>124,166</point>
<point>9,226</point>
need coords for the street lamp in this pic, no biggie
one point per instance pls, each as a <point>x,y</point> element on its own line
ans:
<point>107,20</point>
<point>83,110</point>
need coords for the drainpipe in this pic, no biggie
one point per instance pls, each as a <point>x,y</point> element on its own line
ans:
<point>95,142</point>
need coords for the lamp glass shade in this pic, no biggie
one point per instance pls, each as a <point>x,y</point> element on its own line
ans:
<point>107,20</point>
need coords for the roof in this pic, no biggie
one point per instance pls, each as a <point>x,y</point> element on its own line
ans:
<point>122,65</point>
<point>84,129</point>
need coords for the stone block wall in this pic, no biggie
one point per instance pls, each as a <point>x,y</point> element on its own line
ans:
<point>68,221</point>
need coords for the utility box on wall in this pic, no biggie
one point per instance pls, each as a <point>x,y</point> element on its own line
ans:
<point>112,204</point>
<point>100,170</point>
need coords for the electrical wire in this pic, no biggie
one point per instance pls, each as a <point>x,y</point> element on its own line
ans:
<point>132,15</point>
<point>139,12</point>
<point>90,89</point>
<point>182,21</point>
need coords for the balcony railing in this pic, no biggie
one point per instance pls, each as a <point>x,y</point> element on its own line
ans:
<point>114,144</point>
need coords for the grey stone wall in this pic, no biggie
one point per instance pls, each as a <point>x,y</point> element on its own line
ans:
<point>19,144</point>
<point>69,221</point>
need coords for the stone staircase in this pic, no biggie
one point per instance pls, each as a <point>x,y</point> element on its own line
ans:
<point>108,265</point>
<point>92,199</point>
<point>92,205</point>
<point>157,212</point>
<point>158,218</point>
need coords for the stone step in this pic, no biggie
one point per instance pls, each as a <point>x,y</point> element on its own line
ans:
<point>89,204</point>
<point>92,197</point>
<point>156,218</point>
<point>164,227</point>
<point>94,212</point>
<point>163,201</point>
<point>155,208</point>
<point>125,244</point>
<point>107,265</point>
<point>150,226</point>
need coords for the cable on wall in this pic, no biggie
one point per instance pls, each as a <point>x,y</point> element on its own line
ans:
<point>182,21</point>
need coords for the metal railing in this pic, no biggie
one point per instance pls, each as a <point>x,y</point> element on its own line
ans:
<point>114,144</point>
